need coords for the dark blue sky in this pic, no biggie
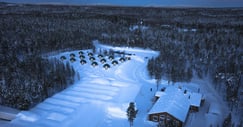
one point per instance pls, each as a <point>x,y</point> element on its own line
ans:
<point>193,3</point>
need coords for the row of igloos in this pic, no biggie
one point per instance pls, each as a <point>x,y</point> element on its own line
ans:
<point>92,59</point>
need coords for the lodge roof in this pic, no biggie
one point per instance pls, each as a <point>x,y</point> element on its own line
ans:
<point>193,98</point>
<point>173,102</point>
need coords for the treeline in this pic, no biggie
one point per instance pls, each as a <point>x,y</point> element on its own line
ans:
<point>27,79</point>
<point>192,42</point>
<point>197,43</point>
<point>203,54</point>
<point>185,53</point>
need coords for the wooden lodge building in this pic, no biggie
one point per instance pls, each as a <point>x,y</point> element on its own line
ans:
<point>173,106</point>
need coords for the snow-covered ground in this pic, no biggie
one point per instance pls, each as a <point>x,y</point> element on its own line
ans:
<point>101,97</point>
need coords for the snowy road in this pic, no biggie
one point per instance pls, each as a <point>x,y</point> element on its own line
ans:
<point>99,99</point>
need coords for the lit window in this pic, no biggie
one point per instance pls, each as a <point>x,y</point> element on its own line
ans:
<point>168,119</point>
<point>161,117</point>
<point>155,118</point>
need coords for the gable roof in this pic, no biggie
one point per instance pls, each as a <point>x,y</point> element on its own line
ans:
<point>194,98</point>
<point>173,102</point>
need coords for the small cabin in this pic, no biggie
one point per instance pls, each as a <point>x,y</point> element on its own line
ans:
<point>83,62</point>
<point>106,66</point>
<point>111,57</point>
<point>100,56</point>
<point>82,57</point>
<point>114,62</point>
<point>80,52</point>
<point>92,59</point>
<point>63,58</point>
<point>102,61</point>
<point>72,59</point>
<point>128,58</point>
<point>122,59</point>
<point>94,64</point>
<point>72,55</point>
<point>90,54</point>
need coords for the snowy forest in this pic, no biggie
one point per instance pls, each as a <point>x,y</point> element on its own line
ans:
<point>203,43</point>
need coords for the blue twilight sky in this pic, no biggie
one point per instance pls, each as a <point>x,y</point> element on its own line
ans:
<point>190,3</point>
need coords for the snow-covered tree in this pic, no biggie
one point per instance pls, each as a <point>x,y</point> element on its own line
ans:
<point>131,113</point>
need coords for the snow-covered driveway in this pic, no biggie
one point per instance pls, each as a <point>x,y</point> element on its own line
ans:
<point>99,99</point>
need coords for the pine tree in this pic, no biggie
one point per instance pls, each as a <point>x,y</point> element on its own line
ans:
<point>227,121</point>
<point>131,113</point>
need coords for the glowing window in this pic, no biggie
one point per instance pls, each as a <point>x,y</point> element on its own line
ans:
<point>155,118</point>
<point>162,117</point>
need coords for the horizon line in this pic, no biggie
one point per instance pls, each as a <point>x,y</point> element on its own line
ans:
<point>116,5</point>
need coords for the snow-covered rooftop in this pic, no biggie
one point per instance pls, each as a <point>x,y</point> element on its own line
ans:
<point>172,101</point>
<point>193,98</point>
